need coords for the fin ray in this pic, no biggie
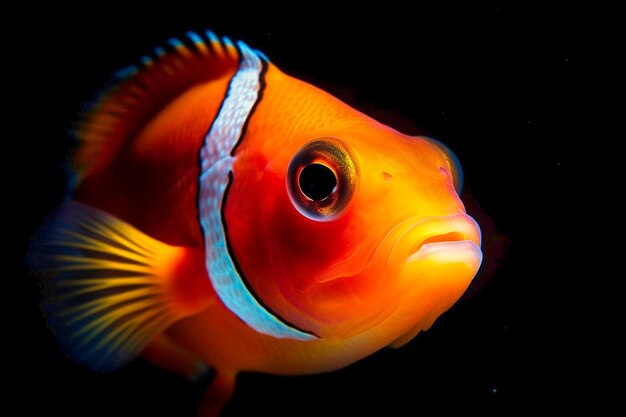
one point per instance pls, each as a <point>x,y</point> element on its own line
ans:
<point>142,90</point>
<point>108,293</point>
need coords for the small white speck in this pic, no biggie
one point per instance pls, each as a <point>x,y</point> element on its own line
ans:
<point>494,390</point>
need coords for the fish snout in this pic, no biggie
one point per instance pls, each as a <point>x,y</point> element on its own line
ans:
<point>446,233</point>
<point>445,248</point>
<point>431,264</point>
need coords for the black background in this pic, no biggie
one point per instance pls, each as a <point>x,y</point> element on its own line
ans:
<point>493,82</point>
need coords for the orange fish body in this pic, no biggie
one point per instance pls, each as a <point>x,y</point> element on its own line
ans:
<point>229,215</point>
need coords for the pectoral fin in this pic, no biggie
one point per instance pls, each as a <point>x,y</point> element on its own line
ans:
<point>109,288</point>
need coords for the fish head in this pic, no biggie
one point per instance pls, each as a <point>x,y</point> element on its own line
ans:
<point>349,228</point>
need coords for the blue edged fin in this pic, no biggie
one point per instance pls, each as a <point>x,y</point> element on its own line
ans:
<point>141,90</point>
<point>105,283</point>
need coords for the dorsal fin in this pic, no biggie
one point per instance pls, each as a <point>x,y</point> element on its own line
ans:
<point>140,91</point>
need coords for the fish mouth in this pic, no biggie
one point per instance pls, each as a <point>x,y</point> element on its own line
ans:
<point>453,234</point>
<point>451,242</point>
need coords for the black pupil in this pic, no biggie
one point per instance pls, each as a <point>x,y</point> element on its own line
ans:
<point>317,181</point>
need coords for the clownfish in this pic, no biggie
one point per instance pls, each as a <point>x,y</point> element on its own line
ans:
<point>226,216</point>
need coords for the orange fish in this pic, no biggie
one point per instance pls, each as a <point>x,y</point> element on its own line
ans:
<point>224,214</point>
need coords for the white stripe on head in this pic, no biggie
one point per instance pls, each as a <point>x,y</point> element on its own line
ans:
<point>216,169</point>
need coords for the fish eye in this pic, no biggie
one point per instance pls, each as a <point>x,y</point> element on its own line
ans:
<point>321,179</point>
<point>317,181</point>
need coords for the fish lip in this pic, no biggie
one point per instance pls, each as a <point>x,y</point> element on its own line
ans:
<point>429,248</point>
<point>427,235</point>
<point>402,234</point>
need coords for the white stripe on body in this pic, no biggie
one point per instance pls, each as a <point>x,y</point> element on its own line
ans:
<point>216,164</point>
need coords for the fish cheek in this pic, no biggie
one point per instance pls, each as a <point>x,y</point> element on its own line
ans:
<point>267,242</point>
<point>289,259</point>
<point>322,272</point>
